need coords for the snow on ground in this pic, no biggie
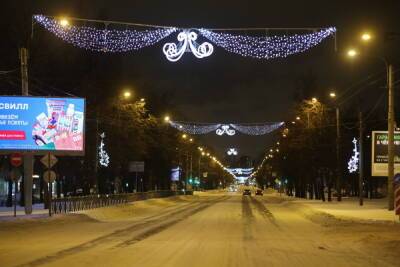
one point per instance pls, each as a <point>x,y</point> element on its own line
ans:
<point>208,229</point>
<point>349,208</point>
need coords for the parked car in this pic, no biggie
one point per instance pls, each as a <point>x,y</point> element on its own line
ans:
<point>246,192</point>
<point>259,192</point>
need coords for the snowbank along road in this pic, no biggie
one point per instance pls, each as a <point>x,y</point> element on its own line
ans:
<point>210,230</point>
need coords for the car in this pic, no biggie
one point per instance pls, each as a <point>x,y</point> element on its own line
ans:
<point>259,192</point>
<point>246,192</point>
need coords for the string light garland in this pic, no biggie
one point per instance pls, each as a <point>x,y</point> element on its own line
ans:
<point>197,128</point>
<point>104,158</point>
<point>104,40</point>
<point>257,129</point>
<point>353,162</point>
<point>116,40</point>
<point>267,47</point>
<point>222,129</point>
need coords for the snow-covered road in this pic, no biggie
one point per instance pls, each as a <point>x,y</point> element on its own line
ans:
<point>211,230</point>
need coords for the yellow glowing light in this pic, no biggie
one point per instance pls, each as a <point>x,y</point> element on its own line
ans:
<point>184,136</point>
<point>366,36</point>
<point>64,22</point>
<point>166,119</point>
<point>314,100</point>
<point>127,94</point>
<point>332,94</point>
<point>298,118</point>
<point>352,53</point>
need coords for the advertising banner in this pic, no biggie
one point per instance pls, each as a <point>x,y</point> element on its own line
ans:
<point>42,124</point>
<point>175,174</point>
<point>380,153</point>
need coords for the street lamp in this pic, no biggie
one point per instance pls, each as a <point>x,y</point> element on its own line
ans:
<point>166,119</point>
<point>64,22</point>
<point>127,94</point>
<point>366,37</point>
<point>338,159</point>
<point>314,100</point>
<point>352,53</point>
<point>184,136</point>
<point>297,118</point>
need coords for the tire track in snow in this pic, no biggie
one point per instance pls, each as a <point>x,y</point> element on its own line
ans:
<point>168,223</point>
<point>123,232</point>
<point>262,209</point>
<point>248,217</point>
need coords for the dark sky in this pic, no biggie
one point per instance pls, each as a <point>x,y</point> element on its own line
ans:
<point>224,87</point>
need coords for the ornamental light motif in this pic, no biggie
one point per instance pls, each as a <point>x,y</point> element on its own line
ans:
<point>225,129</point>
<point>104,158</point>
<point>232,152</point>
<point>353,162</point>
<point>187,42</point>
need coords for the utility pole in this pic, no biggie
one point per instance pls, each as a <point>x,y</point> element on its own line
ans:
<point>199,170</point>
<point>390,137</point>
<point>28,157</point>
<point>361,164</point>
<point>338,159</point>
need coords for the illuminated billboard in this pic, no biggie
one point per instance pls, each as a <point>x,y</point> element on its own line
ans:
<point>380,153</point>
<point>42,124</point>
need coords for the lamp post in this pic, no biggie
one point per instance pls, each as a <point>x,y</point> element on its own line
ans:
<point>366,37</point>
<point>338,158</point>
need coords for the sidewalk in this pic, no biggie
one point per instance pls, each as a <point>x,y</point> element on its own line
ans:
<point>7,213</point>
<point>349,208</point>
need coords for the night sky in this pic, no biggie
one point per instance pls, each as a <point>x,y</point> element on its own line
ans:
<point>222,88</point>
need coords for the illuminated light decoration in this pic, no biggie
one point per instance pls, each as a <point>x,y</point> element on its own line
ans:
<point>104,40</point>
<point>104,158</point>
<point>232,152</point>
<point>353,162</point>
<point>267,47</point>
<point>240,171</point>
<point>257,129</point>
<point>197,128</point>
<point>116,40</point>
<point>225,129</point>
<point>187,42</point>
<point>221,129</point>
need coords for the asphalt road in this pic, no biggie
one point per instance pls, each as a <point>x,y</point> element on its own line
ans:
<point>219,230</point>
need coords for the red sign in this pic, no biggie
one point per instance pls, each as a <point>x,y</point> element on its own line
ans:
<point>12,135</point>
<point>16,159</point>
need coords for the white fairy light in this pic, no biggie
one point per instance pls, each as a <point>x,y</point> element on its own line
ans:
<point>104,40</point>
<point>197,128</point>
<point>257,129</point>
<point>116,40</point>
<point>104,158</point>
<point>221,129</point>
<point>267,47</point>
<point>353,162</point>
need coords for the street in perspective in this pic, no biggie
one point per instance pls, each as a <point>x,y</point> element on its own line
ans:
<point>174,134</point>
